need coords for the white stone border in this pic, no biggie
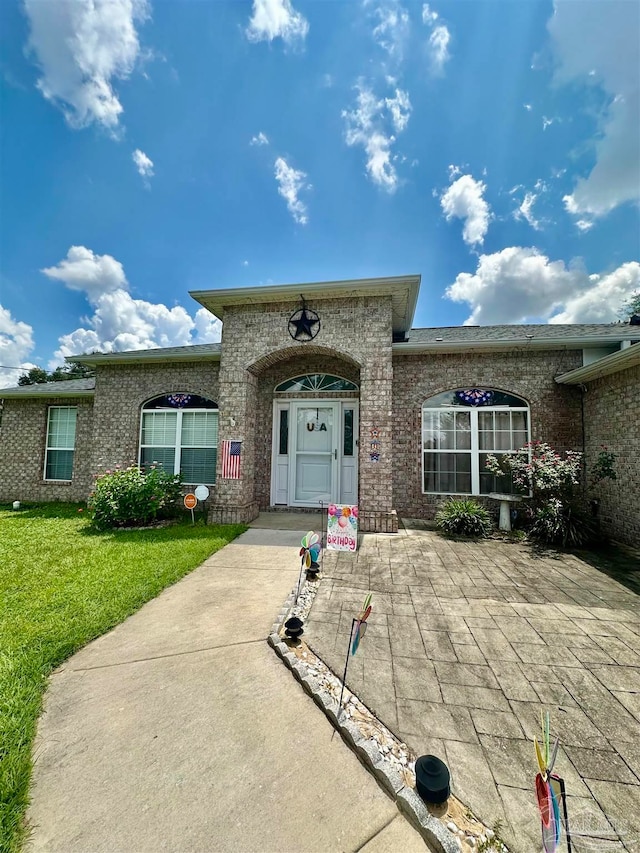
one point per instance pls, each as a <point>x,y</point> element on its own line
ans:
<point>434,832</point>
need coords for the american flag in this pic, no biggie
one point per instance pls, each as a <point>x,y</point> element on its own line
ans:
<point>231,460</point>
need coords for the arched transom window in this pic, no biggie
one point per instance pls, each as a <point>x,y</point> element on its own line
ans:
<point>313,382</point>
<point>179,432</point>
<point>459,429</point>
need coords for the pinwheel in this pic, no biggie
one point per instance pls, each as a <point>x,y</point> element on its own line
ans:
<point>550,790</point>
<point>309,553</point>
<point>358,630</point>
<point>310,550</point>
<point>359,625</point>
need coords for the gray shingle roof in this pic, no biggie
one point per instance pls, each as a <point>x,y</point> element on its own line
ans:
<point>194,351</point>
<point>467,334</point>
<point>64,388</point>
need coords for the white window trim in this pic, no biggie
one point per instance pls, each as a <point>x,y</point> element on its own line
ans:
<point>47,448</point>
<point>474,451</point>
<point>178,448</point>
<point>355,389</point>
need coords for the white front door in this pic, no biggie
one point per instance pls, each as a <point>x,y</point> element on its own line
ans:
<point>315,452</point>
<point>313,474</point>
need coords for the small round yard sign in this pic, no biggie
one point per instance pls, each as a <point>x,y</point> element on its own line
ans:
<point>190,501</point>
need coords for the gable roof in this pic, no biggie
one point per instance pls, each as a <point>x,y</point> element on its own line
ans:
<point>63,388</point>
<point>403,290</point>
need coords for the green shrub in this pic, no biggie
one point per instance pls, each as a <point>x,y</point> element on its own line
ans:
<point>464,517</point>
<point>563,524</point>
<point>134,497</point>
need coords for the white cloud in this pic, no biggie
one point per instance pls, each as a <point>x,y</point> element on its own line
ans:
<point>368,125</point>
<point>207,328</point>
<point>400,108</point>
<point>429,17</point>
<point>392,30</point>
<point>463,200</point>
<point>260,139</point>
<point>91,273</point>
<point>16,343</point>
<point>602,48</point>
<point>120,322</point>
<point>82,48</point>
<point>439,39</point>
<point>276,19</point>
<point>518,285</point>
<point>601,302</point>
<point>144,164</point>
<point>290,183</point>
<point>525,211</point>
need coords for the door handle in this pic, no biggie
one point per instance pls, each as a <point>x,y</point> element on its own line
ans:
<point>335,454</point>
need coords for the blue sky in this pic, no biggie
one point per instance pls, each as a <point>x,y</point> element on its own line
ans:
<point>152,148</point>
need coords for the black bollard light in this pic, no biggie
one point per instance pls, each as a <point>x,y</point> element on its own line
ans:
<point>432,779</point>
<point>293,628</point>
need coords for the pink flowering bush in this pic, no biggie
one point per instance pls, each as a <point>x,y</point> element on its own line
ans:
<point>553,482</point>
<point>133,496</point>
<point>539,469</point>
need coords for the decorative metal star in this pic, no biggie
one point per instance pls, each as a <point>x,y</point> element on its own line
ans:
<point>304,324</point>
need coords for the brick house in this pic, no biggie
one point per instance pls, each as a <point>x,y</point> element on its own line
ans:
<point>328,394</point>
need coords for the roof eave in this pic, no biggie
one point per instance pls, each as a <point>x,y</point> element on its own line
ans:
<point>602,367</point>
<point>15,394</point>
<point>141,358</point>
<point>217,300</point>
<point>415,347</point>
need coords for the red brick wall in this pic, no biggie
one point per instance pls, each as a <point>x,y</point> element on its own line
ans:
<point>555,409</point>
<point>612,418</point>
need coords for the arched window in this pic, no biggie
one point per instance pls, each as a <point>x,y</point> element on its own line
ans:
<point>459,429</point>
<point>180,433</point>
<point>313,382</point>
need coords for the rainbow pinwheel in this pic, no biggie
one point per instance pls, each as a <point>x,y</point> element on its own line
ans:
<point>310,550</point>
<point>550,790</point>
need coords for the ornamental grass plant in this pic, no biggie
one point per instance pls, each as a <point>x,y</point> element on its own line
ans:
<point>464,517</point>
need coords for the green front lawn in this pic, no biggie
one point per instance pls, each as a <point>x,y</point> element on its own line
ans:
<point>62,585</point>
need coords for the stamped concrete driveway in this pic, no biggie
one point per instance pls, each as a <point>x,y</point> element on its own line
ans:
<point>468,642</point>
<point>180,730</point>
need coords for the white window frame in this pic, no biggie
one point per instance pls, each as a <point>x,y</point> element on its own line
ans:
<point>178,448</point>
<point>475,450</point>
<point>47,448</point>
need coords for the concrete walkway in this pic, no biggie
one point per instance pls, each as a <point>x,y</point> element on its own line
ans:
<point>468,642</point>
<point>180,730</point>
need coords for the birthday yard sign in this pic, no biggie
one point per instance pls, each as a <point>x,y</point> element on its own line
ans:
<point>342,527</point>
